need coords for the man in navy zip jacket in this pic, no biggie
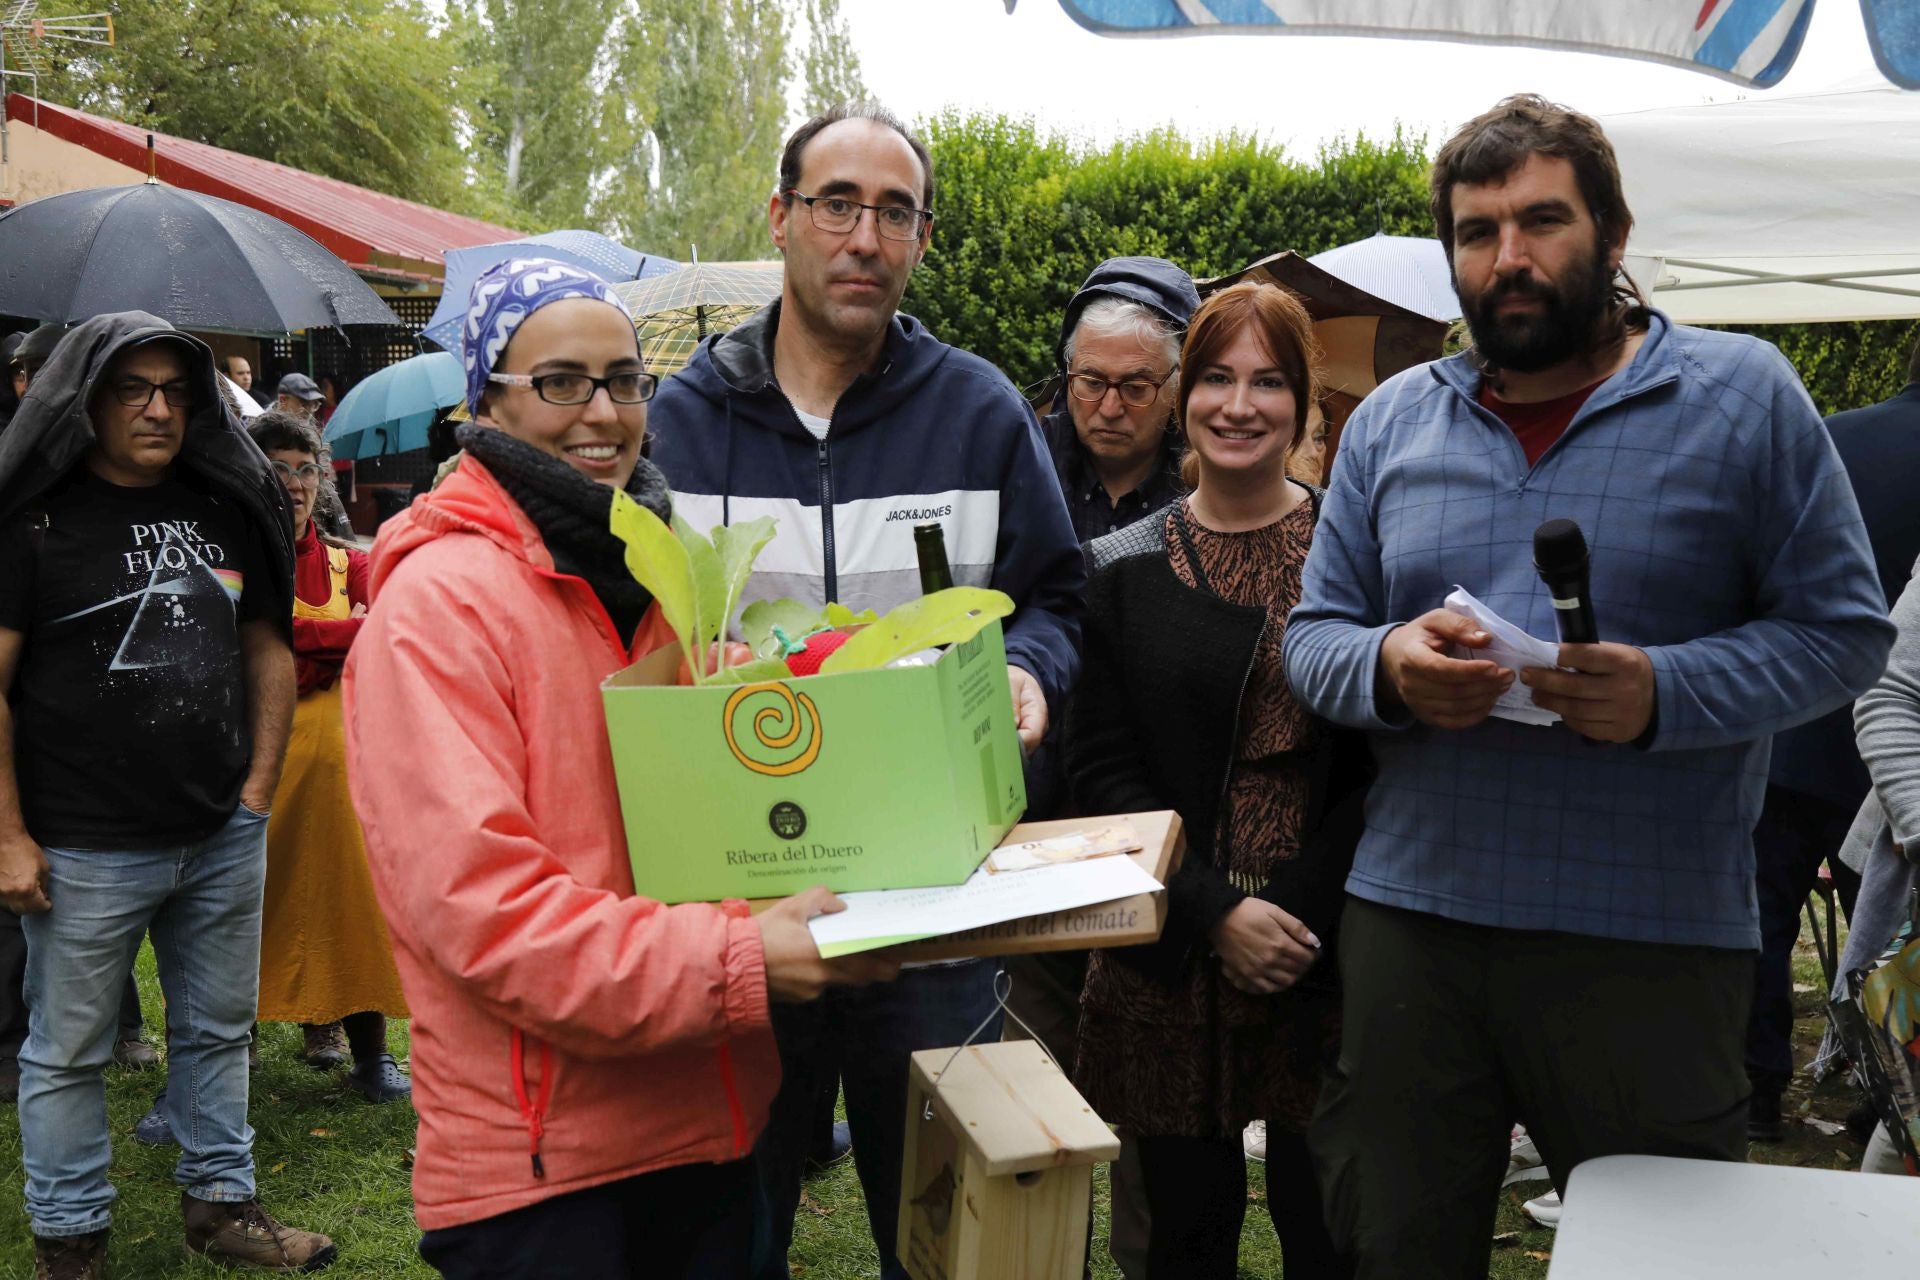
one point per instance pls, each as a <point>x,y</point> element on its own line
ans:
<point>849,424</point>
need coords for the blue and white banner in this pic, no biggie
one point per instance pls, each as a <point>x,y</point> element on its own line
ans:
<point>1750,42</point>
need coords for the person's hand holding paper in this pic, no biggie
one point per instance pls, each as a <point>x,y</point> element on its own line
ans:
<point>1513,650</point>
<point>1418,669</point>
<point>1601,691</point>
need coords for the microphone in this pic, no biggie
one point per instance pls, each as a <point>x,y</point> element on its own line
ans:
<point>1560,556</point>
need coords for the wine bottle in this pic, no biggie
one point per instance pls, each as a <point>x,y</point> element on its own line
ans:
<point>930,545</point>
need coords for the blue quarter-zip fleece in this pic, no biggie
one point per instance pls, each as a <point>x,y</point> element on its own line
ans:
<point>933,435</point>
<point>1725,542</point>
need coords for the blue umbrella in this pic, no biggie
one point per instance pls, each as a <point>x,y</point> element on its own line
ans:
<point>586,249</point>
<point>390,411</point>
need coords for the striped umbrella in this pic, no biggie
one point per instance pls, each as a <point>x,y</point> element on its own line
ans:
<point>675,313</point>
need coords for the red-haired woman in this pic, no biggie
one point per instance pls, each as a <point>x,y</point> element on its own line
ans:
<point>1232,1015</point>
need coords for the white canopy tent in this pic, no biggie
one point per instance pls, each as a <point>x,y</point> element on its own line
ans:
<point>1779,209</point>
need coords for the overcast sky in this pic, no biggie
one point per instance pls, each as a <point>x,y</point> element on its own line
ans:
<point>919,56</point>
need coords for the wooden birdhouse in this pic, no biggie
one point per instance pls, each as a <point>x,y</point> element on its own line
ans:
<point>998,1168</point>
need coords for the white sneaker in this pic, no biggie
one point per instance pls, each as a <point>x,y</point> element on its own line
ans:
<point>1545,1210</point>
<point>1255,1140</point>
<point>1523,1159</point>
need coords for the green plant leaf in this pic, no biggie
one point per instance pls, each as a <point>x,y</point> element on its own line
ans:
<point>762,616</point>
<point>838,616</point>
<point>709,586</point>
<point>737,547</point>
<point>659,562</point>
<point>945,617</point>
<point>760,669</point>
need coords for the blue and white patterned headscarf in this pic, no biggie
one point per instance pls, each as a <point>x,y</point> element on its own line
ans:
<point>503,296</point>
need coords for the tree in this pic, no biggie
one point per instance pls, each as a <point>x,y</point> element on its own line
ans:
<point>831,67</point>
<point>550,101</point>
<point>714,134</point>
<point>354,89</point>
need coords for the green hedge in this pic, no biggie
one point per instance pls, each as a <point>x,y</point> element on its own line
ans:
<point>1024,214</point>
<point>1846,365</point>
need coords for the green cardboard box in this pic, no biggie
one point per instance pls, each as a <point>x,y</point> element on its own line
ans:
<point>890,779</point>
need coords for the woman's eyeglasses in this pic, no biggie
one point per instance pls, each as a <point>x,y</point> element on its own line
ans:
<point>306,473</point>
<point>578,388</point>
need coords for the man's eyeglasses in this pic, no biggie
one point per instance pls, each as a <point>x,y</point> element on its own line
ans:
<point>841,215</point>
<point>1136,392</point>
<point>305,473</point>
<point>137,393</point>
<point>578,388</point>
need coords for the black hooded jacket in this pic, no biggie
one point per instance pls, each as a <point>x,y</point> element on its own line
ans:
<point>52,431</point>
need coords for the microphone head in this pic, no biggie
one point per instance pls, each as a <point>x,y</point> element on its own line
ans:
<point>1559,547</point>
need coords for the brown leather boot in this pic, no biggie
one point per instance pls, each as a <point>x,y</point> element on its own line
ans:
<point>244,1232</point>
<point>326,1045</point>
<point>70,1257</point>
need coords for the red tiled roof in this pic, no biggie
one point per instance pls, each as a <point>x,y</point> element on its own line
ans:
<point>372,232</point>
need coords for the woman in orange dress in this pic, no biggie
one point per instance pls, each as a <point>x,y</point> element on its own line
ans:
<point>325,958</point>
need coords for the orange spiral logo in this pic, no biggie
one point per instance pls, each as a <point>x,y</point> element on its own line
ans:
<point>790,720</point>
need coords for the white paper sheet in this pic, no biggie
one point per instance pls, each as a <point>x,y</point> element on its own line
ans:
<point>880,917</point>
<point>1513,649</point>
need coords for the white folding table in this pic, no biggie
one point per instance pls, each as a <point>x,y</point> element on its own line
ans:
<point>1660,1218</point>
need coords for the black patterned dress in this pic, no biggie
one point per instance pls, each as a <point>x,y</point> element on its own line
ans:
<point>1201,1058</point>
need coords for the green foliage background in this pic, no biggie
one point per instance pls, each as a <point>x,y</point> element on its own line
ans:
<point>1846,365</point>
<point>1023,214</point>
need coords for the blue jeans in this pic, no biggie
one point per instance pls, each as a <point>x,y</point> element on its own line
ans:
<point>202,902</point>
<point>865,1036</point>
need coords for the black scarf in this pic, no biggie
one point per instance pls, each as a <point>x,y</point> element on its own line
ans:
<point>572,514</point>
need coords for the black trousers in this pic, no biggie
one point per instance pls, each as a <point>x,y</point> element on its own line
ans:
<point>1197,1200</point>
<point>694,1222</point>
<point>1797,832</point>
<point>1453,1031</point>
<point>13,1000</point>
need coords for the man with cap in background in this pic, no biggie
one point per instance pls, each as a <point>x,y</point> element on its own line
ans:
<point>300,396</point>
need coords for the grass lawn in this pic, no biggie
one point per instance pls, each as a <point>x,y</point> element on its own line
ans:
<point>330,1162</point>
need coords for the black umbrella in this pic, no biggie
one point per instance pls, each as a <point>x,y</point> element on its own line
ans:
<point>197,261</point>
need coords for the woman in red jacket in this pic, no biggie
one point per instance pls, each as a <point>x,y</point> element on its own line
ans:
<point>591,1068</point>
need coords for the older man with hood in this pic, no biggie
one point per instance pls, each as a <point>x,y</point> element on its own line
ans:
<point>146,592</point>
<point>1111,431</point>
